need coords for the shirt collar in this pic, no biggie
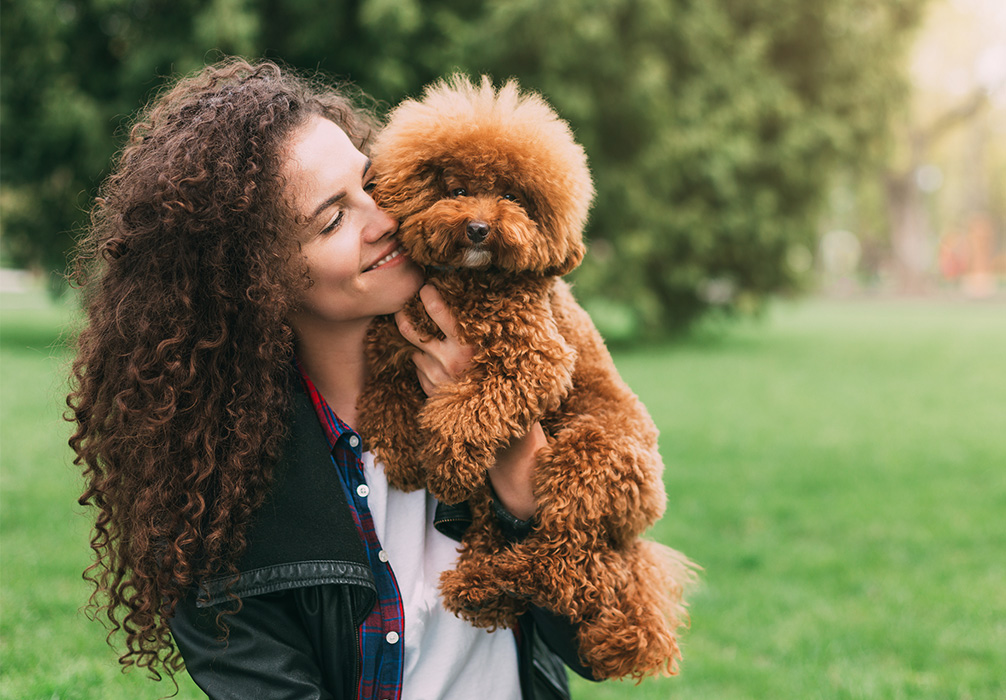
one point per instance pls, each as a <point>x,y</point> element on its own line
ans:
<point>334,427</point>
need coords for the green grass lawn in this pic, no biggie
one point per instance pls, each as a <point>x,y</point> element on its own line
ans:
<point>839,471</point>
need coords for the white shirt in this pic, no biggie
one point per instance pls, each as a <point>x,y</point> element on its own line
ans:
<point>446,658</point>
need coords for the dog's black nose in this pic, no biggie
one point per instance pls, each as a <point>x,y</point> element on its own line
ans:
<point>477,231</point>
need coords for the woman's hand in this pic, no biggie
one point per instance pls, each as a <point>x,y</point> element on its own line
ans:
<point>512,477</point>
<point>440,362</point>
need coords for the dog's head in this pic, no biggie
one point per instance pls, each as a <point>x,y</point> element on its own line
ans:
<point>482,178</point>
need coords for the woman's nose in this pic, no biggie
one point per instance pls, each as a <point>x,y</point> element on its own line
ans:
<point>382,223</point>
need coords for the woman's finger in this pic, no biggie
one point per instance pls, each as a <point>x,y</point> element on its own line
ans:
<point>438,311</point>
<point>439,360</point>
<point>431,373</point>
<point>409,331</point>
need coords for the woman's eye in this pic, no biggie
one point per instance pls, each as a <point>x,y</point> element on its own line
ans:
<point>510,197</point>
<point>334,223</point>
<point>459,192</point>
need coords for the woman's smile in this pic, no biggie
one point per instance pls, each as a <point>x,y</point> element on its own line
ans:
<point>396,256</point>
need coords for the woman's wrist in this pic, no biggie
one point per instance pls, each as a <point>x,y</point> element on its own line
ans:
<point>512,477</point>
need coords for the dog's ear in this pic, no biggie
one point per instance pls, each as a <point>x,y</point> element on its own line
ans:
<point>404,187</point>
<point>574,256</point>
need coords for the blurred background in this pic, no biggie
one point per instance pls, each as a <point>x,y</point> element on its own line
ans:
<point>742,148</point>
<point>797,252</point>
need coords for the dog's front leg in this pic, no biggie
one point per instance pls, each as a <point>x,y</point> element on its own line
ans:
<point>497,401</point>
<point>523,370</point>
<point>464,433</point>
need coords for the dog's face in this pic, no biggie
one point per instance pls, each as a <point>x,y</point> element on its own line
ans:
<point>484,179</point>
<point>476,216</point>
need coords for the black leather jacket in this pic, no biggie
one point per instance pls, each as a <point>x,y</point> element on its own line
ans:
<point>305,587</point>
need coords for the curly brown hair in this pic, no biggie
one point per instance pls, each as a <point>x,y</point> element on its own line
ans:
<point>180,388</point>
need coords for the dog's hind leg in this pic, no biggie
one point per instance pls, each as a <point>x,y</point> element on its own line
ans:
<point>634,631</point>
<point>626,603</point>
<point>474,589</point>
<point>595,477</point>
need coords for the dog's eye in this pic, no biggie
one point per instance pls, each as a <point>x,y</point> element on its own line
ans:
<point>510,197</point>
<point>459,192</point>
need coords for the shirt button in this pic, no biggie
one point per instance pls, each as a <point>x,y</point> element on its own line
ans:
<point>383,556</point>
<point>354,441</point>
<point>362,490</point>
<point>392,637</point>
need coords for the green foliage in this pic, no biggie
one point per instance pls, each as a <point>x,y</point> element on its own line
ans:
<point>713,127</point>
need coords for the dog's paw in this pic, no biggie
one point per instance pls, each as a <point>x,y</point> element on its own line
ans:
<point>454,472</point>
<point>479,600</point>
<point>617,644</point>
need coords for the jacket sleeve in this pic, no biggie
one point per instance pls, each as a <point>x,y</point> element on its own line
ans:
<point>278,646</point>
<point>559,635</point>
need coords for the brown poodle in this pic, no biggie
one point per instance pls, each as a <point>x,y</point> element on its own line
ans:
<point>492,193</point>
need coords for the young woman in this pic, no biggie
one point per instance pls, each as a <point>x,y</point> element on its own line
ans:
<point>234,262</point>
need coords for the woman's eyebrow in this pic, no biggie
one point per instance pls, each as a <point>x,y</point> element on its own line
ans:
<point>336,197</point>
<point>326,204</point>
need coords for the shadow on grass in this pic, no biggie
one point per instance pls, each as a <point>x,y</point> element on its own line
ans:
<point>19,337</point>
<point>718,336</point>
<point>35,329</point>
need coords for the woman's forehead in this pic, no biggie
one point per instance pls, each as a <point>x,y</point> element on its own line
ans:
<point>321,161</point>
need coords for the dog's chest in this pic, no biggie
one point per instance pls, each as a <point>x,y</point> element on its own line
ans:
<point>488,306</point>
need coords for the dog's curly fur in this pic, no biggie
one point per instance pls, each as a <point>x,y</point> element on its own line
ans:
<point>492,193</point>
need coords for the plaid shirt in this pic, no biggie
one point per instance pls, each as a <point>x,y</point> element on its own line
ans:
<point>382,649</point>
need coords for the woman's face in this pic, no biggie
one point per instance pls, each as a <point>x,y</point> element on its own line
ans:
<point>354,259</point>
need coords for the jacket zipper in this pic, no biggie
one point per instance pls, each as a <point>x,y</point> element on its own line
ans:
<point>357,650</point>
<point>452,520</point>
<point>359,663</point>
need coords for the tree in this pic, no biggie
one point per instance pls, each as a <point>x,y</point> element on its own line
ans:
<point>713,127</point>
<point>908,217</point>
<point>74,71</point>
<point>946,174</point>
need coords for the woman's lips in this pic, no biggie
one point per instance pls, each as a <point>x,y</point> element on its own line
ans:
<point>394,254</point>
